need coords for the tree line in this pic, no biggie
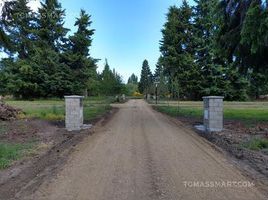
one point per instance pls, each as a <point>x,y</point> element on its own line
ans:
<point>216,47</point>
<point>44,60</point>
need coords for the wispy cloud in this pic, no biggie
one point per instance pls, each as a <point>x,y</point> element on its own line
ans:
<point>33,4</point>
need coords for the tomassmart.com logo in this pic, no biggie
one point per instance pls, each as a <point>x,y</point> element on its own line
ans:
<point>33,4</point>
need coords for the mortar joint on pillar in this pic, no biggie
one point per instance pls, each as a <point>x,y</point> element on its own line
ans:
<point>74,118</point>
<point>213,113</point>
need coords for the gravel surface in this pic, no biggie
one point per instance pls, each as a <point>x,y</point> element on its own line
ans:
<point>141,155</point>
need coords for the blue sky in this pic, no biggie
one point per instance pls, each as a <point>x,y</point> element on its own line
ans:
<point>127,31</point>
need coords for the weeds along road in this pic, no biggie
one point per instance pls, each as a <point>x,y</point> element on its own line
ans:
<point>142,155</point>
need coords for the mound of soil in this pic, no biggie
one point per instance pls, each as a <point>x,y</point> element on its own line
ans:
<point>7,112</point>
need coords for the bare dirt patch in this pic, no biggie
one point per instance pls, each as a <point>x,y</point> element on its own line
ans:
<point>231,140</point>
<point>54,145</point>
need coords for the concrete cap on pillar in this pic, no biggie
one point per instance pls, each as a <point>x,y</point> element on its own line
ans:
<point>213,97</point>
<point>74,97</point>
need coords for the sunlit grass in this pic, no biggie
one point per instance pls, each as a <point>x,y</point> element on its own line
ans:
<point>257,144</point>
<point>54,110</point>
<point>247,111</point>
<point>11,152</point>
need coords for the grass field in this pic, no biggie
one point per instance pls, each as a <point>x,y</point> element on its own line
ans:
<point>246,111</point>
<point>47,110</point>
<point>11,152</point>
<point>257,144</point>
<point>55,109</point>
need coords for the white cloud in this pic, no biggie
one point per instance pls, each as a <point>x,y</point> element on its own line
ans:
<point>1,4</point>
<point>33,4</point>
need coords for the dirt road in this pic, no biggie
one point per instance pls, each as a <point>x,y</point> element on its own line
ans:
<point>142,155</point>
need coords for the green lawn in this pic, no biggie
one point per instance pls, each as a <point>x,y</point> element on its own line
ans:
<point>55,109</point>
<point>11,152</point>
<point>246,111</point>
<point>257,144</point>
<point>3,128</point>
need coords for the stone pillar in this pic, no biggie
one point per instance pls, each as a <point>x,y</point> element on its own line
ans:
<point>123,97</point>
<point>74,113</point>
<point>213,113</point>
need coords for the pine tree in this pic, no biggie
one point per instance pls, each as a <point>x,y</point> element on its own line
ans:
<point>50,43</point>
<point>106,82</point>
<point>170,48</point>
<point>231,15</point>
<point>111,82</point>
<point>133,79</point>
<point>242,40</point>
<point>51,31</point>
<point>132,85</point>
<point>209,62</point>
<point>77,57</point>
<point>19,71</point>
<point>17,28</point>
<point>5,41</point>
<point>146,79</point>
<point>177,49</point>
<point>161,79</point>
<point>158,71</point>
<point>43,61</point>
<point>254,36</point>
<point>118,86</point>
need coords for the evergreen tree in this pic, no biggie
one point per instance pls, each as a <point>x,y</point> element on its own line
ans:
<point>242,40</point>
<point>51,41</point>
<point>178,48</point>
<point>17,28</point>
<point>107,79</point>
<point>158,70</point>
<point>118,86</point>
<point>254,36</point>
<point>111,82</point>
<point>204,33</point>
<point>170,48</point>
<point>146,79</point>
<point>19,72</point>
<point>133,79</point>
<point>5,41</point>
<point>42,61</point>
<point>132,85</point>
<point>51,31</point>
<point>162,80</point>
<point>77,57</point>
<point>210,64</point>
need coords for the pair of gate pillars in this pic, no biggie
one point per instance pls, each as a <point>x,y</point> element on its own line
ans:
<point>213,113</point>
